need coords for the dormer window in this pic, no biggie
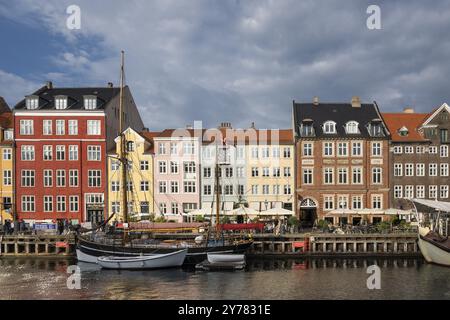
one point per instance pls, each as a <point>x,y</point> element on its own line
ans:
<point>90,102</point>
<point>375,128</point>
<point>8,134</point>
<point>130,146</point>
<point>32,102</point>
<point>307,129</point>
<point>329,127</point>
<point>60,102</point>
<point>352,127</point>
<point>403,131</point>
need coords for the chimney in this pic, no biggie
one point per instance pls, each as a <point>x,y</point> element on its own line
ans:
<point>145,129</point>
<point>225,125</point>
<point>253,126</point>
<point>316,101</point>
<point>356,102</point>
<point>189,126</point>
<point>49,85</point>
<point>110,85</point>
<point>408,110</point>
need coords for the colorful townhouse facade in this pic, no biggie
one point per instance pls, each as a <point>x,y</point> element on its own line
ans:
<point>270,169</point>
<point>176,172</point>
<point>419,155</point>
<point>139,177</point>
<point>6,162</point>
<point>62,136</point>
<point>342,162</point>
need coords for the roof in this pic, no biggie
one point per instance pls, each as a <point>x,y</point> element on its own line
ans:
<point>250,136</point>
<point>6,118</point>
<point>340,113</point>
<point>411,121</point>
<point>4,106</point>
<point>74,96</point>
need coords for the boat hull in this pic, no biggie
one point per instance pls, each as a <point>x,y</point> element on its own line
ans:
<point>225,258</point>
<point>432,253</point>
<point>156,261</point>
<point>88,251</point>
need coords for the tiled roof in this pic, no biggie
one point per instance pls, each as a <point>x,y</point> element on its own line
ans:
<point>411,121</point>
<point>75,96</point>
<point>4,106</point>
<point>340,113</point>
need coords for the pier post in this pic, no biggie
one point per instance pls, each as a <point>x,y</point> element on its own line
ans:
<point>385,247</point>
<point>406,247</point>
<point>344,246</point>
<point>16,248</point>
<point>395,246</point>
<point>334,246</point>
<point>365,246</point>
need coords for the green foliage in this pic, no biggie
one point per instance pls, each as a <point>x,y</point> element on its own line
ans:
<point>200,218</point>
<point>322,224</point>
<point>293,221</point>
<point>225,219</point>
<point>160,219</point>
<point>383,226</point>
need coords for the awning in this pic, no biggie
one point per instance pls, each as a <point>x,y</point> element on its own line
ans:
<point>277,212</point>
<point>241,226</point>
<point>437,205</point>
<point>243,211</point>
<point>356,212</point>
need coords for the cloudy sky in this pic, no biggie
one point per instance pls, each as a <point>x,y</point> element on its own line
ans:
<point>241,61</point>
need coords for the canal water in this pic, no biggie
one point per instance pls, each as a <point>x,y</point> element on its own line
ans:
<point>262,279</point>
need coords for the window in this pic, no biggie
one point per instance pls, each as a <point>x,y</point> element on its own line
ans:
<point>189,186</point>
<point>357,175</point>
<point>409,169</point>
<point>307,149</point>
<point>27,153</point>
<point>60,103</point>
<point>376,149</point>
<point>357,202</point>
<point>145,208</point>
<point>162,187</point>
<point>409,191</point>
<point>73,178</point>
<point>328,175</point>
<point>342,149</point>
<point>352,127</point>
<point>173,167</point>
<point>94,153</point>
<point>342,175</point>
<point>115,206</point>
<point>173,148</point>
<point>188,148</point>
<point>398,169</point>
<point>144,165</point>
<point>444,170</point>
<point>163,208</point>
<point>376,175</point>
<point>240,152</point>
<point>276,152</point>
<point>420,169</point>
<point>398,150</point>
<point>145,186</point>
<point>377,202</point>
<point>207,190</point>
<point>162,167</point>
<point>26,127</point>
<point>60,203</point>
<point>162,148</point>
<point>73,127</point>
<point>308,176</point>
<point>175,208</point>
<point>93,127</point>
<point>329,127</point>
<point>189,167</point>
<point>342,202</point>
<point>420,191</point>
<point>130,146</point>
<point>229,190</point>
<point>28,178</point>
<point>255,172</point>
<point>115,186</point>
<point>60,127</point>
<point>420,149</point>
<point>8,134</point>
<point>115,165</point>
<point>403,131</point>
<point>328,202</point>
<point>286,171</point>
<point>7,154</point>
<point>32,102</point>
<point>432,150</point>
<point>60,178</point>
<point>7,177</point>
<point>48,203</point>
<point>48,178</point>
<point>60,153</point>
<point>444,151</point>
<point>174,187</point>
<point>275,189</point>
<point>287,189</point>
<point>286,152</point>
<point>444,135</point>
<point>375,130</point>
<point>433,169</point>
<point>73,204</point>
<point>409,150</point>
<point>90,102</point>
<point>48,153</point>
<point>47,127</point>
<point>265,152</point>
<point>398,191</point>
<point>254,153</point>
<point>443,191</point>
<point>307,130</point>
<point>276,172</point>
<point>356,149</point>
<point>94,178</point>
<point>432,191</point>
<point>254,189</point>
<point>328,149</point>
<point>207,172</point>
<point>229,172</point>
<point>28,204</point>
<point>240,172</point>
<point>73,153</point>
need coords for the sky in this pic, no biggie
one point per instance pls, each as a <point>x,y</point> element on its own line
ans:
<point>239,61</point>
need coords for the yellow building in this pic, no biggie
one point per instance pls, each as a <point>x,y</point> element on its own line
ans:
<point>139,153</point>
<point>6,162</point>
<point>270,169</point>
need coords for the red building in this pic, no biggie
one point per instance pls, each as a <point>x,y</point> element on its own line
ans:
<point>62,137</point>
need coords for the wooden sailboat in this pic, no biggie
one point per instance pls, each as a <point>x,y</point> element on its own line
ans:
<point>93,245</point>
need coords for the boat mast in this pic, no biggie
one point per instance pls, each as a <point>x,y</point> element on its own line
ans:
<point>123,158</point>
<point>217,191</point>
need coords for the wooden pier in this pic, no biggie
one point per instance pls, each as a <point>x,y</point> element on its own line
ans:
<point>36,245</point>
<point>336,245</point>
